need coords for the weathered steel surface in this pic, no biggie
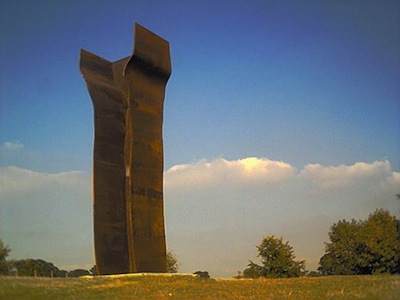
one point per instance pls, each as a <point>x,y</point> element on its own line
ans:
<point>110,223</point>
<point>147,73</point>
<point>128,98</point>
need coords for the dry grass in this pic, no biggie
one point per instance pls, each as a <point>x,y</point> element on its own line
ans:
<point>188,287</point>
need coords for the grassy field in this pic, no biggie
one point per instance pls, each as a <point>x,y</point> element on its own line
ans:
<point>187,287</point>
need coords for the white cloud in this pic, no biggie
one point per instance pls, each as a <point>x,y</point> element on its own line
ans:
<point>339,176</point>
<point>222,172</point>
<point>17,154</point>
<point>17,181</point>
<point>12,146</point>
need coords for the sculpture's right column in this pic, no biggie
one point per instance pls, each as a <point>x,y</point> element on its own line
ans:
<point>146,75</point>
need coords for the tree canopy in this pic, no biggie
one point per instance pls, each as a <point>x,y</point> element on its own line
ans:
<point>363,247</point>
<point>36,267</point>
<point>4,251</point>
<point>172,262</point>
<point>278,260</point>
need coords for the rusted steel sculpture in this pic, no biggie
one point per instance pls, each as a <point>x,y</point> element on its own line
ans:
<point>128,98</point>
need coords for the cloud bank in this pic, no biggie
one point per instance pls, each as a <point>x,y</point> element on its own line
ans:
<point>336,177</point>
<point>17,181</point>
<point>242,172</point>
<point>215,211</point>
<point>47,215</point>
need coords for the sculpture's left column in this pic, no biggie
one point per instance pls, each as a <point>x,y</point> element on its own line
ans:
<point>110,216</point>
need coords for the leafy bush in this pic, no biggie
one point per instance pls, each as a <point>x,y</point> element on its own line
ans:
<point>202,274</point>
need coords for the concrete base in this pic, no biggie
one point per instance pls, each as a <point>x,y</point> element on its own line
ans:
<point>140,275</point>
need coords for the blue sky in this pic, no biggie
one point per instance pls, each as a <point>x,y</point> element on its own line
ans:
<point>283,99</point>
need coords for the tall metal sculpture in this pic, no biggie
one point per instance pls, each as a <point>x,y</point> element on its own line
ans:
<point>128,98</point>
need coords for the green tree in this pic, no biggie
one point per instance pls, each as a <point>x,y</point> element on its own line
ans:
<point>278,260</point>
<point>363,247</point>
<point>4,251</point>
<point>172,262</point>
<point>342,253</point>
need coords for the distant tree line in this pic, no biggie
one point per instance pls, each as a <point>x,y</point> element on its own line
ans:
<point>42,268</point>
<point>37,268</point>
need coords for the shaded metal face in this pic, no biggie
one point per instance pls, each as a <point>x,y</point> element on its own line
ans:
<point>128,99</point>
